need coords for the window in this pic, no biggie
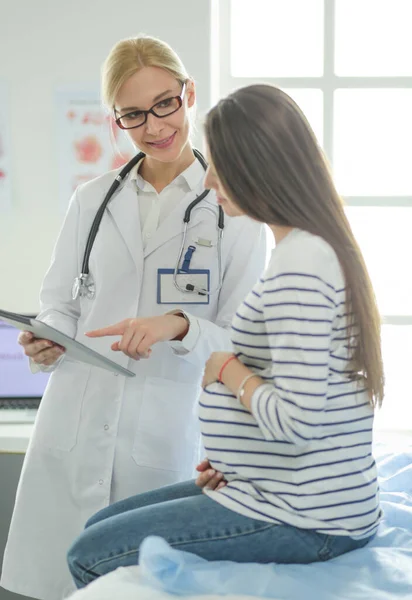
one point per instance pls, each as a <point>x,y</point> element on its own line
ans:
<point>347,63</point>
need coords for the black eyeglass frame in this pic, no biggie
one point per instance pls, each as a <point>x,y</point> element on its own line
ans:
<point>151,110</point>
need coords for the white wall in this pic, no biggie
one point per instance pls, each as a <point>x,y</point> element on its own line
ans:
<point>46,44</point>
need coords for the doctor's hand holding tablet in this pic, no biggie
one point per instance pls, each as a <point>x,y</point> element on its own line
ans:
<point>41,352</point>
<point>140,269</point>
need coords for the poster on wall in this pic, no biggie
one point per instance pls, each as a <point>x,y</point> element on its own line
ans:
<point>89,141</point>
<point>5,160</point>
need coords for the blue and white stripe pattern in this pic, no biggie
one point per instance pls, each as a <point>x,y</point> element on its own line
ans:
<point>303,457</point>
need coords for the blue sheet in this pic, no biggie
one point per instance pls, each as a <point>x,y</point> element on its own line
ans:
<point>380,571</point>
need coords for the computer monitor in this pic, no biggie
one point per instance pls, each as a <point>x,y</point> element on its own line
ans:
<point>16,379</point>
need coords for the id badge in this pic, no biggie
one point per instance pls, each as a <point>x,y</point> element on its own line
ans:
<point>167,293</point>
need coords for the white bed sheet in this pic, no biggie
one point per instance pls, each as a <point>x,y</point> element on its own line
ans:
<point>380,571</point>
<point>126,584</point>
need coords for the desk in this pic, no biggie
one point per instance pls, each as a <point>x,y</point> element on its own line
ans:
<point>14,438</point>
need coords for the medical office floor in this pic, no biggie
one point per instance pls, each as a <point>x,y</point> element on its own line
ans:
<point>10,467</point>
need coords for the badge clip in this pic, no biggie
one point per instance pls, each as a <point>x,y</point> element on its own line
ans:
<point>187,258</point>
<point>204,242</point>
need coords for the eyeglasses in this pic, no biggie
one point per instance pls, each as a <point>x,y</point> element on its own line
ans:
<point>161,109</point>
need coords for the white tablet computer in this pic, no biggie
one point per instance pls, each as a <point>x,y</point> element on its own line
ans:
<point>74,349</point>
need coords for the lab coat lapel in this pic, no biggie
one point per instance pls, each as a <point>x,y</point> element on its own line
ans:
<point>124,211</point>
<point>173,226</point>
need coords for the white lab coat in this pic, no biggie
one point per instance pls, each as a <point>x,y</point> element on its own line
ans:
<point>99,438</point>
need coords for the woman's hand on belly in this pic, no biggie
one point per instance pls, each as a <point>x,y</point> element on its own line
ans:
<point>214,365</point>
<point>209,478</point>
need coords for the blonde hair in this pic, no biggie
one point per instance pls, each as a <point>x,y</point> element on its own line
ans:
<point>132,54</point>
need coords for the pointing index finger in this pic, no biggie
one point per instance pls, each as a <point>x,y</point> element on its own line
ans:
<point>117,329</point>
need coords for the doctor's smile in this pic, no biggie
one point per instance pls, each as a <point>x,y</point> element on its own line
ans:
<point>164,143</point>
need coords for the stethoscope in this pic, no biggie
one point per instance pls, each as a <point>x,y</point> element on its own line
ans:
<point>83,285</point>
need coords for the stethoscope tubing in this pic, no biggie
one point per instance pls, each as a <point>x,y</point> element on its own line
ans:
<point>81,281</point>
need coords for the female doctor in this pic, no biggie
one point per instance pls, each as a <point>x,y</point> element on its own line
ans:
<point>100,438</point>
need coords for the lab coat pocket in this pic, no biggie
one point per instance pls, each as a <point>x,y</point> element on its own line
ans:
<point>57,422</point>
<point>167,435</point>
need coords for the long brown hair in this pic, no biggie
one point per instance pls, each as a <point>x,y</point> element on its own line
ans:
<point>270,163</point>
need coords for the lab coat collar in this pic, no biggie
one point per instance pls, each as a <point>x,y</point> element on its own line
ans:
<point>194,175</point>
<point>189,179</point>
<point>173,226</point>
<point>127,219</point>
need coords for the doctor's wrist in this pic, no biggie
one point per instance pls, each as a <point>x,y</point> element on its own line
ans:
<point>185,323</point>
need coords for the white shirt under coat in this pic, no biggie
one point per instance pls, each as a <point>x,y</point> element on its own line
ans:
<point>154,207</point>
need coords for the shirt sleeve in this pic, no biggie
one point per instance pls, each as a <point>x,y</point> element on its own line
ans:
<point>57,307</point>
<point>189,341</point>
<point>298,310</point>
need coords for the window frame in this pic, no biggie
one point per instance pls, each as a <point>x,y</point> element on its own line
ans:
<point>328,83</point>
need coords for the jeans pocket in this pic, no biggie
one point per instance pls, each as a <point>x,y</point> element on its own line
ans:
<point>335,545</point>
<point>325,552</point>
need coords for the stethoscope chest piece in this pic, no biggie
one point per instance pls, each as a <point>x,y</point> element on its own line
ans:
<point>84,287</point>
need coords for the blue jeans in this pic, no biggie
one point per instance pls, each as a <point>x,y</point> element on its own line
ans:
<point>190,521</point>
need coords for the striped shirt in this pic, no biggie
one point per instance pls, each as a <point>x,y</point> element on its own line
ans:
<point>302,456</point>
